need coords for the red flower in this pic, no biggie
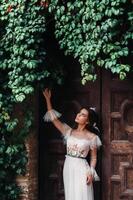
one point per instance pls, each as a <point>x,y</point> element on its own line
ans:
<point>44,3</point>
<point>9,9</point>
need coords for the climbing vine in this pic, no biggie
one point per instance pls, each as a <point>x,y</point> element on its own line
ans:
<point>98,33</point>
<point>23,24</point>
<point>22,59</point>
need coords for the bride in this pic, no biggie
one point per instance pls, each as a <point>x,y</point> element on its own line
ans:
<point>78,174</point>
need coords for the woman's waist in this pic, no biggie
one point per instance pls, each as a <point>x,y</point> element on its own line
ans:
<point>76,162</point>
<point>75,156</point>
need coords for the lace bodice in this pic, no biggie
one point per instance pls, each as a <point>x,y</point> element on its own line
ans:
<point>79,146</point>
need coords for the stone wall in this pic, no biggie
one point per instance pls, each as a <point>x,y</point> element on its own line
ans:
<point>29,182</point>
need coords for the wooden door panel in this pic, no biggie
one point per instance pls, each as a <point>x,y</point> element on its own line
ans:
<point>117,120</point>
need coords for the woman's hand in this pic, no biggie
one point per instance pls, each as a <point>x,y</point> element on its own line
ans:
<point>89,179</point>
<point>47,93</point>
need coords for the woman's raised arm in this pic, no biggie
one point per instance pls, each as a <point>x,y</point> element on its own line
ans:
<point>53,115</point>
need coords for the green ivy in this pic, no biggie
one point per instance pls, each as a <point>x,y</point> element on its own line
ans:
<point>22,59</point>
<point>13,155</point>
<point>23,65</point>
<point>23,25</point>
<point>98,33</point>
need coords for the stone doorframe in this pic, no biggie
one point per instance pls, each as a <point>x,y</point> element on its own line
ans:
<point>29,182</point>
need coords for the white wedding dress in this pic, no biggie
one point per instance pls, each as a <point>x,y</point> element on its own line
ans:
<point>76,166</point>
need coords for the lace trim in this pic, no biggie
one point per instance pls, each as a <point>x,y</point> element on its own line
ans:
<point>50,115</point>
<point>93,172</point>
<point>95,142</point>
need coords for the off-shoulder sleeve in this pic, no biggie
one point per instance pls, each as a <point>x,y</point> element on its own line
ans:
<point>50,115</point>
<point>95,142</point>
<point>54,114</point>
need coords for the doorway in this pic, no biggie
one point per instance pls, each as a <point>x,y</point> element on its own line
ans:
<point>66,99</point>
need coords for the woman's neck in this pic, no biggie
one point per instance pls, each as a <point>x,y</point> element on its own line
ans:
<point>81,127</point>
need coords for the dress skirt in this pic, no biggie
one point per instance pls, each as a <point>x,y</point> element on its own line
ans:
<point>74,177</point>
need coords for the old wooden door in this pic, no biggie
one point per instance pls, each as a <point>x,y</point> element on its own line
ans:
<point>113,100</point>
<point>117,121</point>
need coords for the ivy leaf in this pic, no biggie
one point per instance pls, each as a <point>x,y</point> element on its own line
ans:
<point>20,97</point>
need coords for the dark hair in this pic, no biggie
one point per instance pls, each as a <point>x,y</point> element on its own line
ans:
<point>93,125</point>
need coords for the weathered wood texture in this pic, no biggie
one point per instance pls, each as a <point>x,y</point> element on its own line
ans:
<point>117,118</point>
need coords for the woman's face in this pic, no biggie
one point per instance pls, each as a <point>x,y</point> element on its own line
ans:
<point>82,117</point>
